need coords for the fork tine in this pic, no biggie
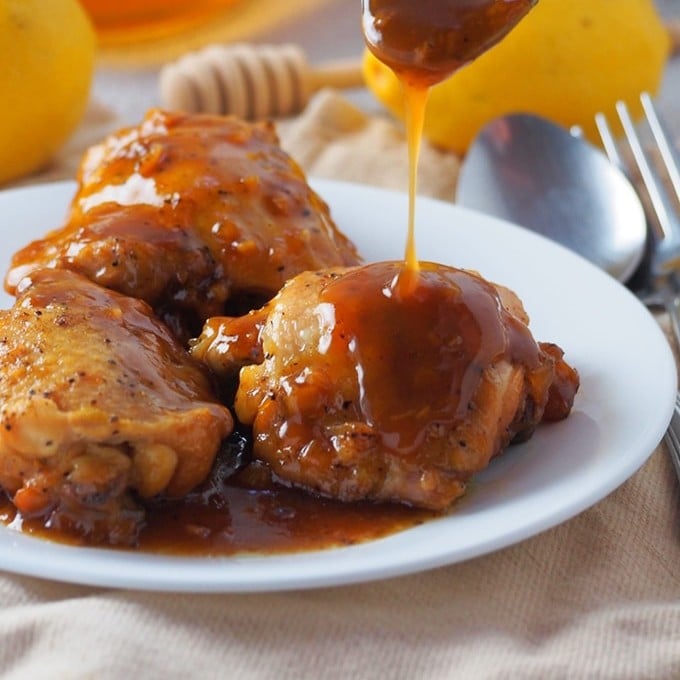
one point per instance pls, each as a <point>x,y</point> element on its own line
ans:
<point>648,175</point>
<point>608,141</point>
<point>665,148</point>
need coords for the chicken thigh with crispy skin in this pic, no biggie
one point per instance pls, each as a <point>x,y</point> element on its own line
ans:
<point>99,404</point>
<point>359,388</point>
<point>189,212</point>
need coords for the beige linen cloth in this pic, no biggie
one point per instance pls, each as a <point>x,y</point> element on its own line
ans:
<point>597,597</point>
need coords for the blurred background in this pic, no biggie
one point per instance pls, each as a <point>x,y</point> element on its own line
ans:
<point>327,30</point>
<point>90,83</point>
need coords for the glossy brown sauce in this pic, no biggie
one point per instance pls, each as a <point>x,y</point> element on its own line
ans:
<point>424,43</point>
<point>231,517</point>
<point>246,513</point>
<point>420,358</point>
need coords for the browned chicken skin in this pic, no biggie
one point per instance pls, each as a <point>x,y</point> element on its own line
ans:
<point>356,386</point>
<point>98,404</point>
<point>358,389</point>
<point>189,212</point>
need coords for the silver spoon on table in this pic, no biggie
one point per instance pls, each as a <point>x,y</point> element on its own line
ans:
<point>534,173</point>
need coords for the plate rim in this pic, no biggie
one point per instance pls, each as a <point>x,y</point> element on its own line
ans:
<point>205,577</point>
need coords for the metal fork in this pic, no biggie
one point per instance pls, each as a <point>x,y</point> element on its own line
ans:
<point>663,215</point>
<point>662,207</point>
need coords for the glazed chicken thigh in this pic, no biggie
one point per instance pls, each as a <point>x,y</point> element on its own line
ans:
<point>356,389</point>
<point>190,212</point>
<point>99,405</point>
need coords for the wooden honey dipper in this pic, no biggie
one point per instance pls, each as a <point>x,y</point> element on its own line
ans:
<point>250,81</point>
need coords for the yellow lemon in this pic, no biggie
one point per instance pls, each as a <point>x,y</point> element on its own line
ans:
<point>47,51</point>
<point>566,60</point>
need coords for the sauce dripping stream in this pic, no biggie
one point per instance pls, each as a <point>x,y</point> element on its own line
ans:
<point>416,101</point>
<point>425,43</point>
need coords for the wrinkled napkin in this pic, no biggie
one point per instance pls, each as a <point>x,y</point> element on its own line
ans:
<point>596,597</point>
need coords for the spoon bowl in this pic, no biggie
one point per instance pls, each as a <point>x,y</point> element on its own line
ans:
<point>534,173</point>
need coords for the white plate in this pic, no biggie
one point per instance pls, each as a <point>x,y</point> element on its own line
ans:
<point>627,391</point>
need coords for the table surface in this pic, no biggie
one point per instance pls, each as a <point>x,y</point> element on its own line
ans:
<point>330,33</point>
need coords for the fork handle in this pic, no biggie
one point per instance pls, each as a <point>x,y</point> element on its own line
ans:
<point>672,437</point>
<point>669,297</point>
<point>672,306</point>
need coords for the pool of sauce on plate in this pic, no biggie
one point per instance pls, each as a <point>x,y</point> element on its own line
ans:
<point>424,43</point>
<point>244,513</point>
<point>250,513</point>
